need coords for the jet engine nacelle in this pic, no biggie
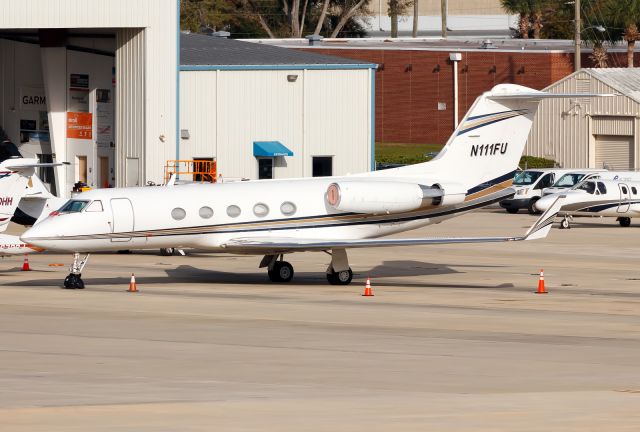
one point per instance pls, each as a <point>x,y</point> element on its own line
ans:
<point>378,197</point>
<point>451,194</point>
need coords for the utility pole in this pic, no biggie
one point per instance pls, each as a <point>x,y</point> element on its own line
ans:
<point>577,54</point>
<point>443,15</point>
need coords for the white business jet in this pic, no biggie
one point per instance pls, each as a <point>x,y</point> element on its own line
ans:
<point>15,176</point>
<point>597,197</point>
<point>329,214</point>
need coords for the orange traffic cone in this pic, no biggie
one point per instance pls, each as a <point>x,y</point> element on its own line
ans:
<point>25,263</point>
<point>132,285</point>
<point>368,292</point>
<point>541,289</point>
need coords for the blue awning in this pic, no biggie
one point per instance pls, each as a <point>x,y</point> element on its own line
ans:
<point>270,149</point>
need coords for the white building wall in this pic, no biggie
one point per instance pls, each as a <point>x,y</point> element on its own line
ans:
<point>338,119</point>
<point>159,20</point>
<point>322,113</point>
<point>563,129</point>
<point>198,114</point>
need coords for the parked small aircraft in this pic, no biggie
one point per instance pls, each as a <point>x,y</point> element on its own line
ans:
<point>329,214</point>
<point>597,197</point>
<point>15,175</point>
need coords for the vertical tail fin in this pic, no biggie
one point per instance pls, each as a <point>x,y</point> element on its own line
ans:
<point>487,145</point>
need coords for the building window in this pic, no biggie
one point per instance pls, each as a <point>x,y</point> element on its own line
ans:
<point>265,168</point>
<point>322,166</point>
<point>178,213</point>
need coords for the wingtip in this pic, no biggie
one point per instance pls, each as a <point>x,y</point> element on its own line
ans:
<point>540,229</point>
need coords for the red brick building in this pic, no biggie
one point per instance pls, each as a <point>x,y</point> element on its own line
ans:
<point>414,82</point>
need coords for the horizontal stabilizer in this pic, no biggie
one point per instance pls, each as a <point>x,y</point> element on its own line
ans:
<point>16,166</point>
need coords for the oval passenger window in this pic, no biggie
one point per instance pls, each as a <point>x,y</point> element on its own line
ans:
<point>178,213</point>
<point>260,210</point>
<point>205,212</point>
<point>288,208</point>
<point>233,211</point>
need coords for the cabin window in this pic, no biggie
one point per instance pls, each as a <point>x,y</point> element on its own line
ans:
<point>178,213</point>
<point>602,188</point>
<point>634,190</point>
<point>95,206</point>
<point>260,210</point>
<point>73,206</point>
<point>205,212</point>
<point>288,208</point>
<point>233,211</point>
<point>589,187</point>
<point>624,190</point>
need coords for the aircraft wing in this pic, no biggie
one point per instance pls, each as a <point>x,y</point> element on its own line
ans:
<point>538,230</point>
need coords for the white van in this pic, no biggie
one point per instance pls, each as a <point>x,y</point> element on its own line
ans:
<point>528,185</point>
<point>572,178</point>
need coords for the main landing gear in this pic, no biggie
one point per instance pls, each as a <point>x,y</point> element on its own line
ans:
<point>74,280</point>
<point>624,221</point>
<point>564,223</point>
<point>280,271</point>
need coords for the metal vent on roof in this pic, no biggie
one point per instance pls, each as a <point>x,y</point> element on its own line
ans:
<point>487,44</point>
<point>314,39</point>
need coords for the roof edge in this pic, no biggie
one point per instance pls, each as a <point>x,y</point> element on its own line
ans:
<point>280,67</point>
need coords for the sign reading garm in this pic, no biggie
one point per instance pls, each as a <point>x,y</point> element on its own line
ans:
<point>33,98</point>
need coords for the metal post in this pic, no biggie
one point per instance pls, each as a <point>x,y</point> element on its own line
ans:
<point>577,53</point>
<point>443,16</point>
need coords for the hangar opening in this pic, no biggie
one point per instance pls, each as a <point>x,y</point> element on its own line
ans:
<point>62,98</point>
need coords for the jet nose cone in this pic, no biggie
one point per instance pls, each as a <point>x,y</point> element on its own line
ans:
<point>545,202</point>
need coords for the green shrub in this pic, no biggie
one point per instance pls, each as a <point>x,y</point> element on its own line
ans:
<point>527,162</point>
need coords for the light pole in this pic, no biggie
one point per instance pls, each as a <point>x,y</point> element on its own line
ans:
<point>577,52</point>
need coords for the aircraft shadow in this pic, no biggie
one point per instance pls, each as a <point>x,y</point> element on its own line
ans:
<point>187,275</point>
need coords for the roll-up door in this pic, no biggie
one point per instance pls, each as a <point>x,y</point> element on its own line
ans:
<point>614,152</point>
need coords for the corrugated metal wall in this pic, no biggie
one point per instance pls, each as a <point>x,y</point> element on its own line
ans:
<point>130,107</point>
<point>159,20</point>
<point>338,119</point>
<point>564,129</point>
<point>321,113</point>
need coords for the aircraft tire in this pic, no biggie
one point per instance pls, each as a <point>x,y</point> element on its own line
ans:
<point>564,224</point>
<point>73,281</point>
<point>624,221</point>
<point>167,251</point>
<point>282,272</point>
<point>340,278</point>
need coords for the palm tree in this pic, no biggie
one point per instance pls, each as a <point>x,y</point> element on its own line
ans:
<point>625,16</point>
<point>521,8</point>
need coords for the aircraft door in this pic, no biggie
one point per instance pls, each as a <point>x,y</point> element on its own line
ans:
<point>623,207</point>
<point>122,218</point>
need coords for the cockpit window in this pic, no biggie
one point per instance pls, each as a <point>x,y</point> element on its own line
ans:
<point>73,206</point>
<point>589,187</point>
<point>525,178</point>
<point>568,180</point>
<point>602,188</point>
<point>95,206</point>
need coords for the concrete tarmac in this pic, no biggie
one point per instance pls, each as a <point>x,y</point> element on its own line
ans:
<point>454,340</point>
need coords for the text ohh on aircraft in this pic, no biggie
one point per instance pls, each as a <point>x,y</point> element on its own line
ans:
<point>331,214</point>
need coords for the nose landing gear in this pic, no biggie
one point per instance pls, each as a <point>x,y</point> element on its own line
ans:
<point>74,279</point>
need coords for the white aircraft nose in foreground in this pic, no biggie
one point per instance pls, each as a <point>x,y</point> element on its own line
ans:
<point>331,214</point>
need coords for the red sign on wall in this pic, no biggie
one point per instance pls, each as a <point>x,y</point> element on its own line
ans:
<point>79,125</point>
